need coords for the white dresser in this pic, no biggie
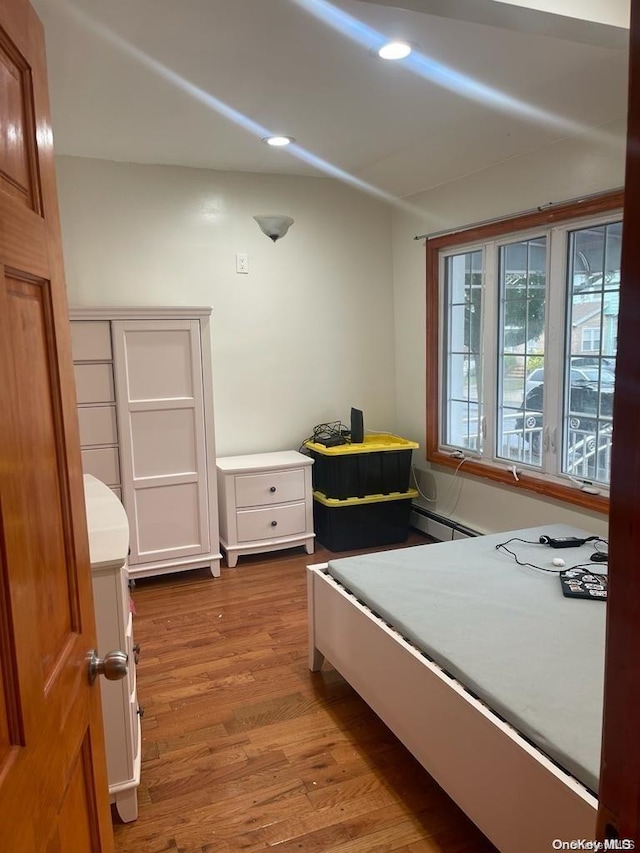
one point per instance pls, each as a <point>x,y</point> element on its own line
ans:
<point>108,545</point>
<point>145,408</point>
<point>265,502</point>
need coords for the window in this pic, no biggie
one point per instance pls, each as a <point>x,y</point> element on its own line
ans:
<point>591,339</point>
<point>464,310</point>
<point>522,349</point>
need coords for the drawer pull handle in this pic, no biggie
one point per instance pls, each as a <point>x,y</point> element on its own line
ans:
<point>272,489</point>
<point>274,523</point>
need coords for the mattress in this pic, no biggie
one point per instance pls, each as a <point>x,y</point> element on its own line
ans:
<point>505,632</point>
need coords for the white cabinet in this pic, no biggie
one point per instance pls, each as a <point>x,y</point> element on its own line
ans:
<point>108,544</point>
<point>145,407</point>
<point>265,503</point>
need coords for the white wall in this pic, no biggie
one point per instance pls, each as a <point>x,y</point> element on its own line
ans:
<point>559,172</point>
<point>306,335</point>
<point>316,326</point>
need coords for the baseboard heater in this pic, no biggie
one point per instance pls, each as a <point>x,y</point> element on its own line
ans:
<point>438,526</point>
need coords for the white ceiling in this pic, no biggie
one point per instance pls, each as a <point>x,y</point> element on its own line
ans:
<point>198,82</point>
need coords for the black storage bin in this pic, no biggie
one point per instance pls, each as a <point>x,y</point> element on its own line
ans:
<point>344,525</point>
<point>380,465</point>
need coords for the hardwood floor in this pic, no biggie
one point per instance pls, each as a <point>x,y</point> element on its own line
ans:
<point>245,749</point>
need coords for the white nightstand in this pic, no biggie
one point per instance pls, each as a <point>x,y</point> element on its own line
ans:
<point>265,502</point>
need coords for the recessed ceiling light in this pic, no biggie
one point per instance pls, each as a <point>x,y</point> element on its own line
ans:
<point>394,50</point>
<point>278,141</point>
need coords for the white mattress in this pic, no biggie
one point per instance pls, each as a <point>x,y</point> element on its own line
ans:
<point>505,632</point>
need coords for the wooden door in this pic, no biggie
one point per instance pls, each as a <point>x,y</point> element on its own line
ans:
<point>619,812</point>
<point>53,784</point>
<point>160,400</point>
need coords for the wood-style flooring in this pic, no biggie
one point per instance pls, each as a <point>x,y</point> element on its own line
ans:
<point>244,749</point>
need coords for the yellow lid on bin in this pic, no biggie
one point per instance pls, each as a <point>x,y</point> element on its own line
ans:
<point>371,444</point>
<point>367,499</point>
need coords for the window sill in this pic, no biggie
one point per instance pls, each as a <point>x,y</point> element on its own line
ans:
<point>526,481</point>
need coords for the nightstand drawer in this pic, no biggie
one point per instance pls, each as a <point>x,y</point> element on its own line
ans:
<point>275,487</point>
<point>271,522</point>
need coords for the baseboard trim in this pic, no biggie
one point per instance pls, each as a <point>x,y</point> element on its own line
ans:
<point>439,526</point>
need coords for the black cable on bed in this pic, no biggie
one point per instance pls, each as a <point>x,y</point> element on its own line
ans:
<point>502,546</point>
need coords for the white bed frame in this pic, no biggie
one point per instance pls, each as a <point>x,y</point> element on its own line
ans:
<point>519,799</point>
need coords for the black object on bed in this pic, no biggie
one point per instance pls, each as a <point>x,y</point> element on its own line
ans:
<point>581,583</point>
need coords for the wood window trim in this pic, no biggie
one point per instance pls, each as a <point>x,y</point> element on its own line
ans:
<point>601,204</point>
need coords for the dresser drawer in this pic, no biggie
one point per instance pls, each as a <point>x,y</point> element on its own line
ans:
<point>91,340</point>
<point>271,522</point>
<point>97,425</point>
<point>103,463</point>
<point>131,657</point>
<point>275,487</point>
<point>135,724</point>
<point>94,383</point>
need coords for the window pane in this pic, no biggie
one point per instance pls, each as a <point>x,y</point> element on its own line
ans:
<point>594,284</point>
<point>587,257</point>
<point>612,258</point>
<point>462,350</point>
<point>462,424</point>
<point>523,279</point>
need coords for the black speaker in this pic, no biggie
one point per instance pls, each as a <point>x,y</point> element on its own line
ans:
<point>357,426</point>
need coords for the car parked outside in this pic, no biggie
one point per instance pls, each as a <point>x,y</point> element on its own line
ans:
<point>590,396</point>
<point>593,361</point>
<point>535,378</point>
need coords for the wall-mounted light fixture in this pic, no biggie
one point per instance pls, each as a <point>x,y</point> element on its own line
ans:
<point>274,226</point>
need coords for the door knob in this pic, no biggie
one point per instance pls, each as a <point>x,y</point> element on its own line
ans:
<point>114,665</point>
